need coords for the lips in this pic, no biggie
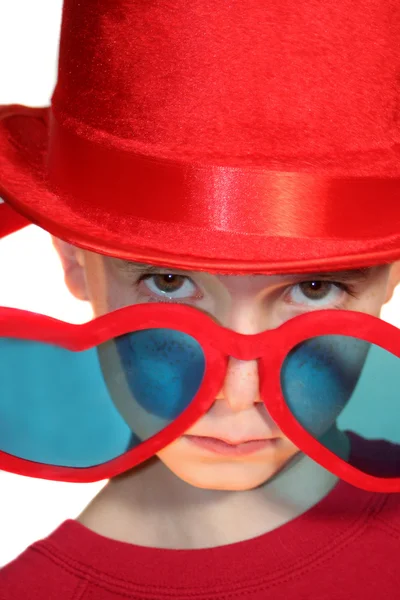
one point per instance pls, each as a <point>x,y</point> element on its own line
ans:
<point>219,447</point>
<point>231,442</point>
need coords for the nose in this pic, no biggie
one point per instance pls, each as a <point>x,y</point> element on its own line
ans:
<point>241,387</point>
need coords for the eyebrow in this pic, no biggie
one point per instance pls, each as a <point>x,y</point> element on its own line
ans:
<point>127,265</point>
<point>349,275</point>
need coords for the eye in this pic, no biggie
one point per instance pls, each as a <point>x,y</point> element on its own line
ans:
<point>317,293</point>
<point>169,285</point>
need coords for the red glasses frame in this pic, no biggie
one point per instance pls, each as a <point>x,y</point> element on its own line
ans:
<point>270,348</point>
<point>218,344</point>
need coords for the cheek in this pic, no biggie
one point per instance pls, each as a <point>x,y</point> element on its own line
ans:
<point>106,292</point>
<point>96,286</point>
<point>118,296</point>
<point>371,302</point>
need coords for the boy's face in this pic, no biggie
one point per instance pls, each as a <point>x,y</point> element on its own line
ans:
<point>248,304</point>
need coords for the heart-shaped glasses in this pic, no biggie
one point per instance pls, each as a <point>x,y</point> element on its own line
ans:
<point>86,402</point>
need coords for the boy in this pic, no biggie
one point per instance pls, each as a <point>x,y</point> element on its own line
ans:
<point>229,158</point>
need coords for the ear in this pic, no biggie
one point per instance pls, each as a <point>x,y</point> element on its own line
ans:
<point>393,281</point>
<point>73,265</point>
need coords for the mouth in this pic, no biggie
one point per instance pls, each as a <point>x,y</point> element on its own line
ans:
<point>230,448</point>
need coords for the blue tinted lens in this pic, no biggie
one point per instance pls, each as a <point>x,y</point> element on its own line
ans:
<point>81,409</point>
<point>334,384</point>
<point>163,369</point>
<point>318,378</point>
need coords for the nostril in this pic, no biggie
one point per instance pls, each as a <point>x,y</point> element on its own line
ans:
<point>241,384</point>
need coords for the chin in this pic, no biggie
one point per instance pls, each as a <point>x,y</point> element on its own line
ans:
<point>227,486</point>
<point>234,476</point>
<point>212,473</point>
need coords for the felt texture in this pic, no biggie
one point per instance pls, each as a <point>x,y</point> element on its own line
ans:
<point>230,137</point>
<point>243,81</point>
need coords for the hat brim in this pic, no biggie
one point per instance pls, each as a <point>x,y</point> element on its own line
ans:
<point>23,184</point>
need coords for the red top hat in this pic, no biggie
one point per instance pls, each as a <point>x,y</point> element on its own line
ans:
<point>245,136</point>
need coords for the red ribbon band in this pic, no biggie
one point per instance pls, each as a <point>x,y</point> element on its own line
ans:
<point>243,200</point>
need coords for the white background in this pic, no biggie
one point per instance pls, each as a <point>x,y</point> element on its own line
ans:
<point>29,34</point>
<point>30,273</point>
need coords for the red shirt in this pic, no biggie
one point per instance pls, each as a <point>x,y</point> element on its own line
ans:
<point>347,547</point>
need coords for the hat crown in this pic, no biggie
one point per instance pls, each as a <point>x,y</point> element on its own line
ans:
<point>232,136</point>
<point>244,82</point>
